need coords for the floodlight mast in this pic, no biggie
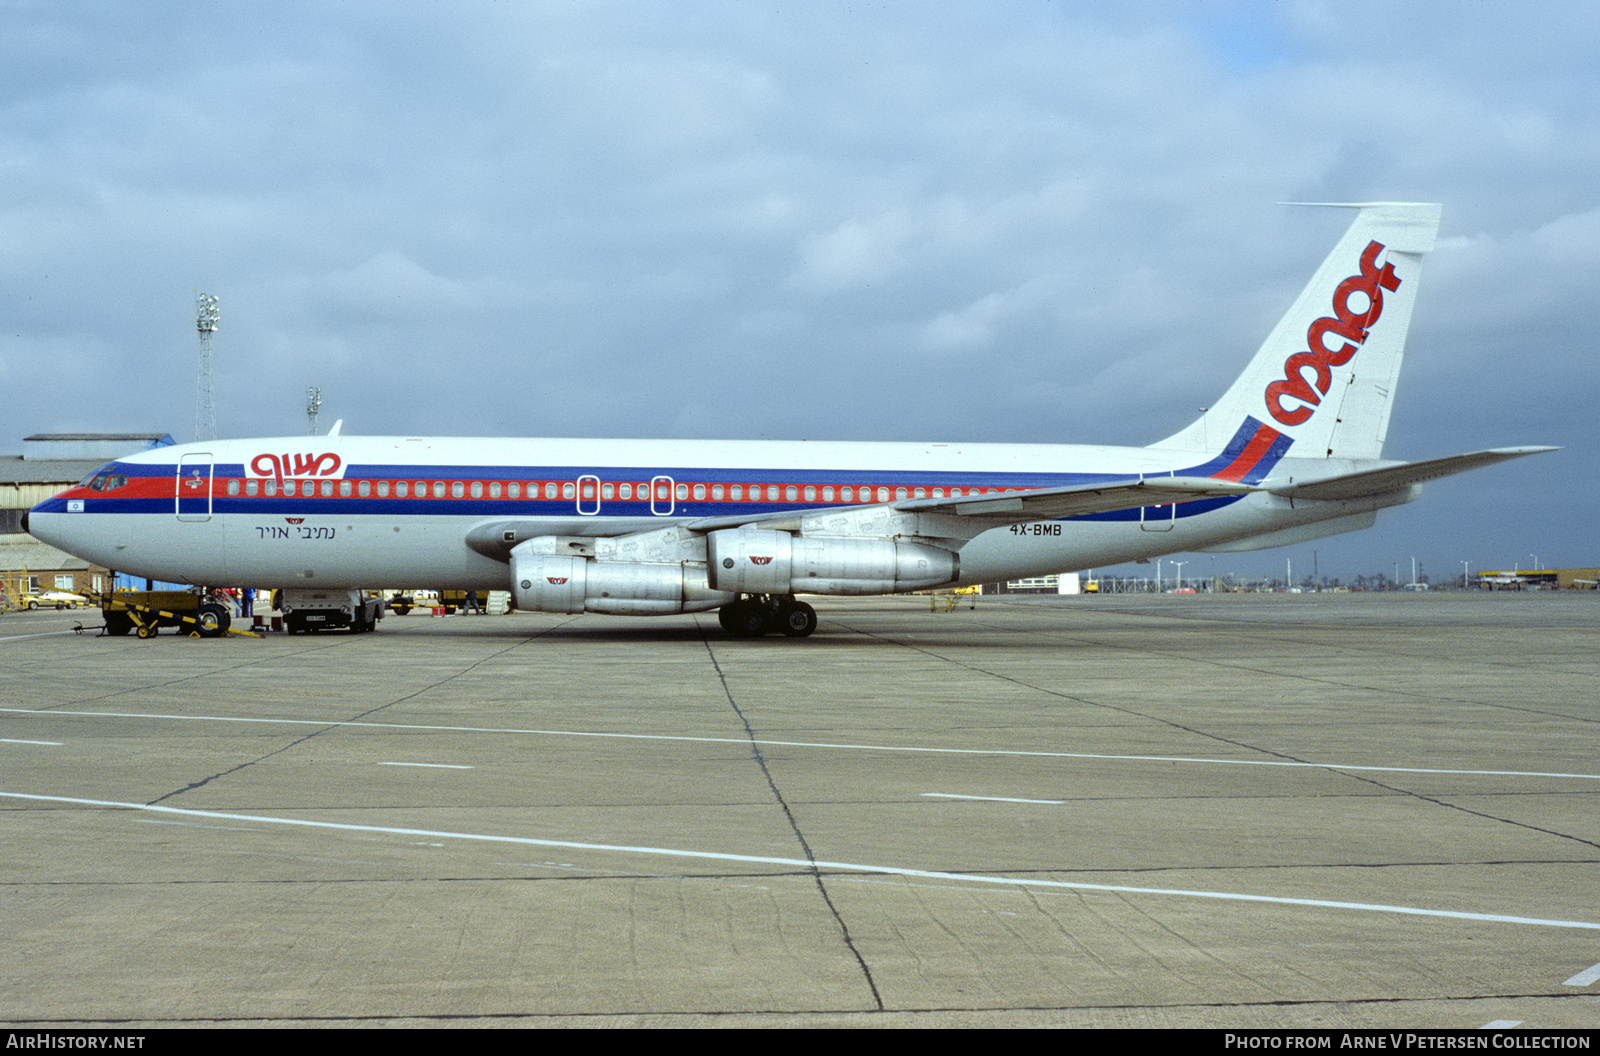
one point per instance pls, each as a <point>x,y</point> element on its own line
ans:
<point>313,405</point>
<point>205,411</point>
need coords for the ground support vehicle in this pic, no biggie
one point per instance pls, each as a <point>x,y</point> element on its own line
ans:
<point>451,601</point>
<point>56,599</point>
<point>315,610</point>
<point>145,612</point>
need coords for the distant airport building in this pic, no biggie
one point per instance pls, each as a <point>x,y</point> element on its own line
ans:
<point>49,464</point>
<point>1540,579</point>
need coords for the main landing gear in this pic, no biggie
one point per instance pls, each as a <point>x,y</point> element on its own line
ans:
<point>755,615</point>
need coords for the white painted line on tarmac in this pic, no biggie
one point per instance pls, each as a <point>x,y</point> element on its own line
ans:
<point>1588,977</point>
<point>909,749</point>
<point>993,799</point>
<point>13,740</point>
<point>801,863</point>
<point>436,766</point>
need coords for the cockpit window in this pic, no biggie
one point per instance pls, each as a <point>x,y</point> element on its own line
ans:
<point>104,481</point>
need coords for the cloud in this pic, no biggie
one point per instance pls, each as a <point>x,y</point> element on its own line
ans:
<point>1028,221</point>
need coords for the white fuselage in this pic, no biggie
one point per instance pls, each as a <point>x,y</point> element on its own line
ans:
<point>412,512</point>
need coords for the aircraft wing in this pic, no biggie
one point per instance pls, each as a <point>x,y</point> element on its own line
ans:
<point>1036,504</point>
<point>1392,478</point>
<point>1075,500</point>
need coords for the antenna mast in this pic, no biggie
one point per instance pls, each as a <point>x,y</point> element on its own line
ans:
<point>313,405</point>
<point>205,411</point>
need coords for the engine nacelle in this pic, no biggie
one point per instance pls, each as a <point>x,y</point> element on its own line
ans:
<point>757,561</point>
<point>553,583</point>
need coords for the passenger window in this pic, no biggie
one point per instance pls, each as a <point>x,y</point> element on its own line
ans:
<point>847,494</point>
<point>736,493</point>
<point>683,491</point>
<point>772,493</point>
<point>625,491</point>
<point>383,489</point>
<point>811,494</point>
<point>899,493</point>
<point>327,489</point>
<point>827,494</point>
<point>699,491</point>
<point>608,491</point>
<point>494,489</point>
<point>790,493</point>
<point>458,489</point>
<point>883,494</point>
<point>364,488</point>
<point>252,487</point>
<point>269,488</point>
<point>567,490</point>
<point>402,489</point>
<point>477,489</point>
<point>716,491</point>
<point>346,487</point>
<point>233,487</point>
<point>514,491</point>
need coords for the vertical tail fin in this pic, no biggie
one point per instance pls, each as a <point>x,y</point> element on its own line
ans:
<point>1325,377</point>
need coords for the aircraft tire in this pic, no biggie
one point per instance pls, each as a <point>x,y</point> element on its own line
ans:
<point>118,623</point>
<point>211,621</point>
<point>797,620</point>
<point>749,619</point>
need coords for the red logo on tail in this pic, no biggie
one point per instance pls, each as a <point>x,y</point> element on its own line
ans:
<point>1345,322</point>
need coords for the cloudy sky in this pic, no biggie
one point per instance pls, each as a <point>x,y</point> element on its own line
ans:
<point>1010,221</point>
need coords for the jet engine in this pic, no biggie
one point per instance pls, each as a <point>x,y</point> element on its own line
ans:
<point>758,561</point>
<point>558,583</point>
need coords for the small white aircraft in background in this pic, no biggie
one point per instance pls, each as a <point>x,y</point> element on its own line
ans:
<point>1292,452</point>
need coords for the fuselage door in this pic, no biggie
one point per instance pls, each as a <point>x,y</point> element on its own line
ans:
<point>661,500</point>
<point>588,495</point>
<point>1157,518</point>
<point>194,486</point>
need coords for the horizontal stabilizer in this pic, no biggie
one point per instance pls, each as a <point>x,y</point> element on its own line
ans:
<point>1392,478</point>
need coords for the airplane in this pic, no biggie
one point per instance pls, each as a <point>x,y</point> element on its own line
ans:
<point>1292,452</point>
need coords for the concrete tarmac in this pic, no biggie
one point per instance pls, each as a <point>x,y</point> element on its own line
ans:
<point>1243,811</point>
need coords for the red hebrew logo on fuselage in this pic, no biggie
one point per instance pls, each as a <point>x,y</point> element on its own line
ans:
<point>294,520</point>
<point>556,580</point>
<point>1345,322</point>
<point>760,560</point>
<point>326,464</point>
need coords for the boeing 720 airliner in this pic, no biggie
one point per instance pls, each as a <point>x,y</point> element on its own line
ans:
<point>1292,452</point>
